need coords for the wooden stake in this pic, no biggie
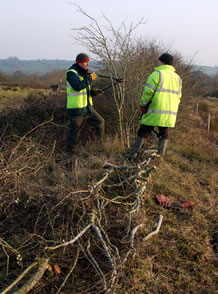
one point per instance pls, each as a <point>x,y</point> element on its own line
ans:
<point>208,123</point>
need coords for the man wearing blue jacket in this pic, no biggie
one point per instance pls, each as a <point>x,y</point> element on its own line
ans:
<point>79,101</point>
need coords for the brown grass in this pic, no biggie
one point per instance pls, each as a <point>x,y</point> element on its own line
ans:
<point>44,201</point>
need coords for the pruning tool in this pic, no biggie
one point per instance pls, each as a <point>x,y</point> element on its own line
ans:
<point>115,80</point>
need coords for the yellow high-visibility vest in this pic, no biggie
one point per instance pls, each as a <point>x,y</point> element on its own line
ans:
<point>163,91</point>
<point>78,101</point>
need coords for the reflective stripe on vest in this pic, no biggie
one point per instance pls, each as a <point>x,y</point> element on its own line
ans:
<point>162,112</point>
<point>150,86</point>
<point>77,99</point>
<point>161,89</point>
<point>77,94</point>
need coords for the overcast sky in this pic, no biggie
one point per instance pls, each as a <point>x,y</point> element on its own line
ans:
<point>41,29</point>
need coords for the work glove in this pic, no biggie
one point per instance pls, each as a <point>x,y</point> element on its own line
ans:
<point>96,92</point>
<point>118,81</point>
<point>143,109</point>
<point>93,76</point>
<point>99,92</point>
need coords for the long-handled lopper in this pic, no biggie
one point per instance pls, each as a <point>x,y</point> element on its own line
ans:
<point>117,80</point>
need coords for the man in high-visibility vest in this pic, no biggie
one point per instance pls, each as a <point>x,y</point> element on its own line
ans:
<point>159,104</point>
<point>79,101</point>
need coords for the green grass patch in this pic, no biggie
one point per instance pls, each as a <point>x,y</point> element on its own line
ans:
<point>15,96</point>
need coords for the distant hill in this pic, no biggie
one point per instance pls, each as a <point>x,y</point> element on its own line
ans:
<point>209,70</point>
<point>43,66</point>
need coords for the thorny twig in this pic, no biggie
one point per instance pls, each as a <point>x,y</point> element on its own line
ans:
<point>5,245</point>
<point>71,270</point>
<point>21,140</point>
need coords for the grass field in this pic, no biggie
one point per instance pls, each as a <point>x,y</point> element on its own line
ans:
<point>14,96</point>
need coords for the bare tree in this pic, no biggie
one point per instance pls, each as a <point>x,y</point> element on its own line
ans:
<point>114,48</point>
<point>124,55</point>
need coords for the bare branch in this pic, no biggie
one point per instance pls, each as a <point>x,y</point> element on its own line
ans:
<point>21,140</point>
<point>70,272</point>
<point>156,231</point>
<point>133,232</point>
<point>43,264</point>
<point>97,267</point>
<point>103,244</point>
<point>72,241</point>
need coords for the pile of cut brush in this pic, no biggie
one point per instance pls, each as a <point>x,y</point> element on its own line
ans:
<point>58,238</point>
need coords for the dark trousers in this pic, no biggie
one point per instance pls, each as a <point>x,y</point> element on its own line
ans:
<point>144,131</point>
<point>77,123</point>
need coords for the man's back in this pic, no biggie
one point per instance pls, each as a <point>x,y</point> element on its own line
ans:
<point>163,91</point>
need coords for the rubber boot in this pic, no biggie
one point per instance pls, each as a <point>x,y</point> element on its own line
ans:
<point>162,146</point>
<point>135,148</point>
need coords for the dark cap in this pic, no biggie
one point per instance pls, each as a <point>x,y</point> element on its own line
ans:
<point>166,58</point>
<point>82,57</point>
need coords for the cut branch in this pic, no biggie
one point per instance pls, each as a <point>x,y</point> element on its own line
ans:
<point>43,263</point>
<point>156,230</point>
<point>133,236</point>
<point>97,267</point>
<point>103,244</point>
<point>71,241</point>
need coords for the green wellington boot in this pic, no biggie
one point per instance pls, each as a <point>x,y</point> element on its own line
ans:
<point>162,146</point>
<point>134,149</point>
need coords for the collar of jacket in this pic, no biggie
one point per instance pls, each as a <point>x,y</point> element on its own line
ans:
<point>82,72</point>
<point>165,67</point>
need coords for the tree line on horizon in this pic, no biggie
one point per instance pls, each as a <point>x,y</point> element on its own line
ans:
<point>209,85</point>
